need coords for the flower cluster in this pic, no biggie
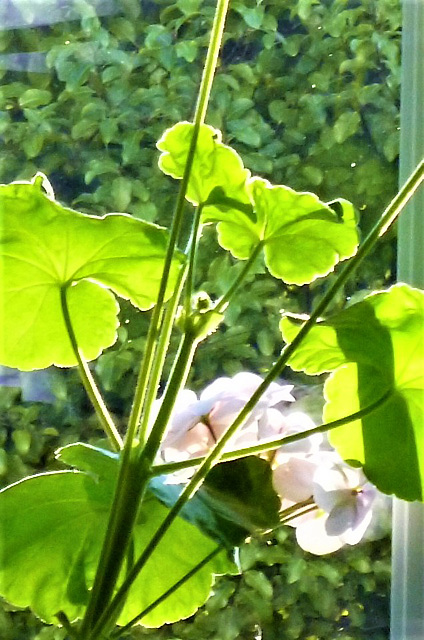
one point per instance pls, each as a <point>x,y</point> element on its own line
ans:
<point>328,502</point>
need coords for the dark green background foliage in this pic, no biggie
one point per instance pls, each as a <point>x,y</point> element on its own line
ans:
<point>307,92</point>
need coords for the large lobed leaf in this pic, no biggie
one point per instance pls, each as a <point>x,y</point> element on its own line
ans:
<point>375,349</point>
<point>302,237</point>
<point>51,530</point>
<point>45,248</point>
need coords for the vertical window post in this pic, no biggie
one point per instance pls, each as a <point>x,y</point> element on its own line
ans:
<point>407,614</point>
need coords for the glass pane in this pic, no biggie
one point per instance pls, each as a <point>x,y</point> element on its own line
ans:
<point>307,92</point>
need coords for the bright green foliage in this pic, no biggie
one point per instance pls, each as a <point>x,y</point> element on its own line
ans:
<point>303,238</point>
<point>305,106</point>
<point>374,347</point>
<point>215,164</point>
<point>117,82</point>
<point>46,249</point>
<point>52,529</point>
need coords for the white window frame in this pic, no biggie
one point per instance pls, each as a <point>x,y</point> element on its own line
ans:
<point>407,587</point>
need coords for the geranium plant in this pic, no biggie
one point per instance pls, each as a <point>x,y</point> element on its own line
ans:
<point>135,532</point>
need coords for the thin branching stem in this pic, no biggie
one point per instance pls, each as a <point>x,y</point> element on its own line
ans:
<point>270,445</point>
<point>87,379</point>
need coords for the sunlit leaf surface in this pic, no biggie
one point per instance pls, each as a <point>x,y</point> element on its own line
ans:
<point>302,238</point>
<point>214,165</point>
<point>51,531</point>
<point>45,248</point>
<point>375,349</point>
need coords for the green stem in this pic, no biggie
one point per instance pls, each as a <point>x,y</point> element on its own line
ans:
<point>223,302</point>
<point>160,354</point>
<point>211,61</point>
<point>131,485</point>
<point>169,591</point>
<point>199,117</point>
<point>176,382</point>
<point>192,253</point>
<point>88,380</point>
<point>128,499</point>
<point>127,495</point>
<point>270,445</point>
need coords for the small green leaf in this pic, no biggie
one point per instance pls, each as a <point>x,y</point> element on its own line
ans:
<point>51,532</point>
<point>187,49</point>
<point>253,17</point>
<point>346,125</point>
<point>375,349</point>
<point>46,248</point>
<point>121,192</point>
<point>214,165</point>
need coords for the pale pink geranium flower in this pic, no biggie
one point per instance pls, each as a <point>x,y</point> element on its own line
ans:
<point>197,423</point>
<point>345,500</point>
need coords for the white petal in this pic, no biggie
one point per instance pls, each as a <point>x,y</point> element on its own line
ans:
<point>312,536</point>
<point>293,478</point>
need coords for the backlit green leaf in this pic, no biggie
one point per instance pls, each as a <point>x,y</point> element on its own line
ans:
<point>376,350</point>
<point>302,237</point>
<point>51,531</point>
<point>214,165</point>
<point>46,248</point>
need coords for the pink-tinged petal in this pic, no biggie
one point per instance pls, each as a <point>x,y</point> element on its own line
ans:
<point>216,389</point>
<point>297,422</point>
<point>271,424</point>
<point>293,478</point>
<point>311,536</point>
<point>334,485</point>
<point>357,532</point>
<point>191,444</point>
<point>223,414</point>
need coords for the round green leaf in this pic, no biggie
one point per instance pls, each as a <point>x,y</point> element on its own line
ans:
<point>51,531</point>
<point>303,238</point>
<point>46,249</point>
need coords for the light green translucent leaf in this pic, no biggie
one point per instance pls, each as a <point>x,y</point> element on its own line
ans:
<point>376,350</point>
<point>302,237</point>
<point>214,165</point>
<point>45,248</point>
<point>51,531</point>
